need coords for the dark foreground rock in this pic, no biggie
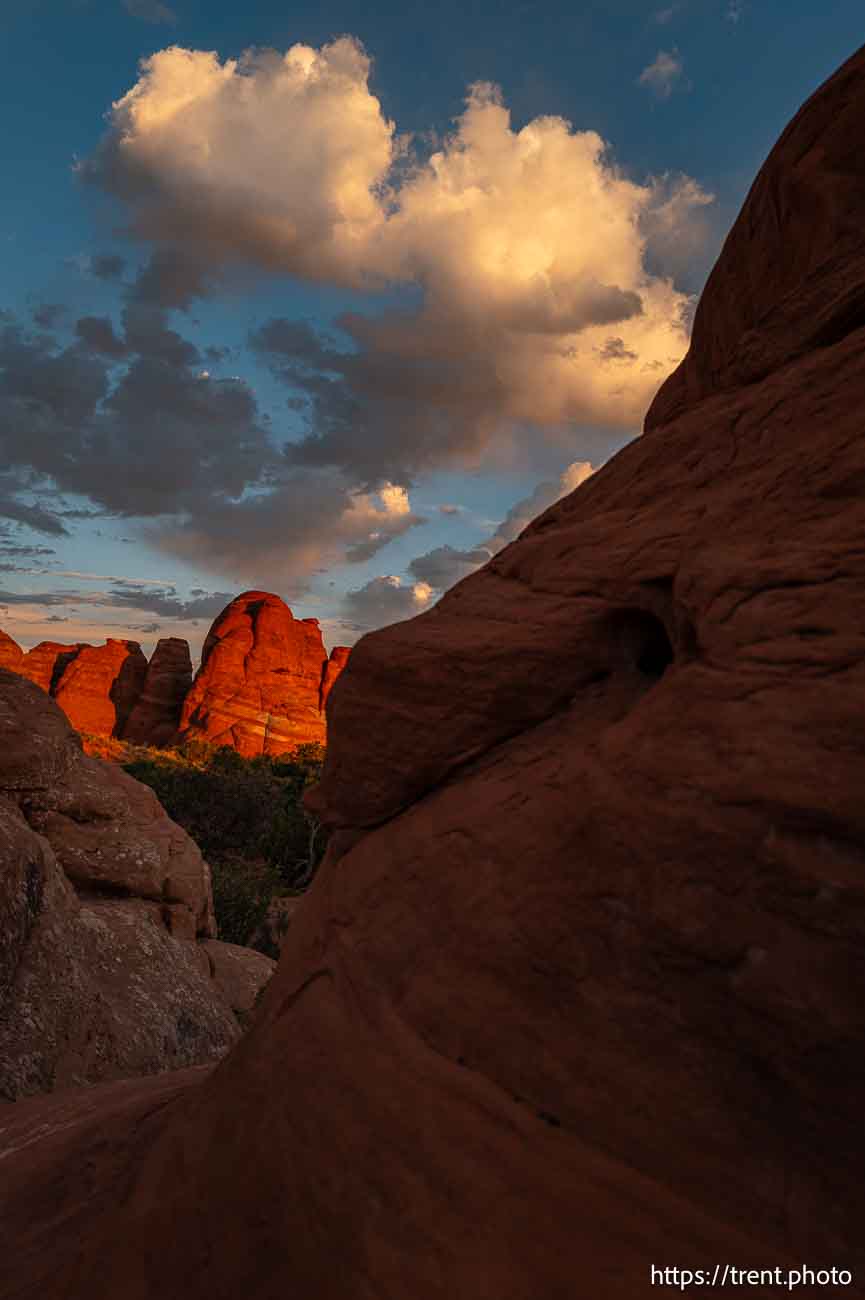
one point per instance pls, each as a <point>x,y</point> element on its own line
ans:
<point>155,715</point>
<point>580,987</point>
<point>106,911</point>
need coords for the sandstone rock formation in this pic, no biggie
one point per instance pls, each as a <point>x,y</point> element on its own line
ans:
<point>155,715</point>
<point>580,986</point>
<point>259,685</point>
<point>105,913</point>
<point>240,973</point>
<point>100,685</point>
<point>336,662</point>
<point>262,686</point>
<point>46,663</point>
<point>11,653</point>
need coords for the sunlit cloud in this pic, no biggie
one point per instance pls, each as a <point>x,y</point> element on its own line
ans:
<point>384,600</point>
<point>537,311</point>
<point>528,247</point>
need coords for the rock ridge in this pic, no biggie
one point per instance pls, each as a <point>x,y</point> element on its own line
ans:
<point>107,931</point>
<point>262,686</point>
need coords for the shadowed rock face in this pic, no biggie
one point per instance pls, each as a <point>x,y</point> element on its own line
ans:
<point>155,716</point>
<point>102,902</point>
<point>100,685</point>
<point>45,663</point>
<point>332,670</point>
<point>258,688</point>
<point>580,987</point>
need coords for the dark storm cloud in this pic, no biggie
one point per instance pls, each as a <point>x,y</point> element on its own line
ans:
<point>107,266</point>
<point>382,601</point>
<point>381,411</point>
<point>48,314</point>
<point>50,384</point>
<point>97,334</point>
<point>146,332</point>
<point>154,438</point>
<point>165,602</point>
<point>24,512</point>
<point>47,598</point>
<point>27,552</point>
<point>127,419</point>
<point>282,534</point>
<point>445,565</point>
<point>162,601</point>
<point>170,278</point>
<point>78,513</point>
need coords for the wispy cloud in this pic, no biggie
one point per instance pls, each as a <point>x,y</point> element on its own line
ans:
<point>150,11</point>
<point>138,599</point>
<point>445,565</point>
<point>663,75</point>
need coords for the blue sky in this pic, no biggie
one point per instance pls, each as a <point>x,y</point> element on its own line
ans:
<point>331,322</point>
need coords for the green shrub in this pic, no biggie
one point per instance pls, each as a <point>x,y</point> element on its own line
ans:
<point>247,817</point>
<point>241,896</point>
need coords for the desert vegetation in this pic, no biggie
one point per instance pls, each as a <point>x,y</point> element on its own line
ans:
<point>245,814</point>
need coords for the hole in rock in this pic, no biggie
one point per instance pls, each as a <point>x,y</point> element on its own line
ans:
<point>640,641</point>
<point>61,663</point>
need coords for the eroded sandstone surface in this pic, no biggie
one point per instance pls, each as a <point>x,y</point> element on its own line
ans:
<point>333,669</point>
<point>106,917</point>
<point>259,685</point>
<point>261,689</point>
<point>45,663</point>
<point>155,716</point>
<point>99,686</point>
<point>580,987</point>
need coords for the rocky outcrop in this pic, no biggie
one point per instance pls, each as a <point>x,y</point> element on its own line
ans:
<point>336,662</point>
<point>239,973</point>
<point>262,686</point>
<point>11,653</point>
<point>579,988</point>
<point>259,684</point>
<point>45,663</point>
<point>99,687</point>
<point>105,908</point>
<point>155,715</point>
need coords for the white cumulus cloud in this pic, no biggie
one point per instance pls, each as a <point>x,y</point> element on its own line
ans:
<point>528,247</point>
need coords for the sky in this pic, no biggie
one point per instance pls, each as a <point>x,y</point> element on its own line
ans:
<point>331,300</point>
